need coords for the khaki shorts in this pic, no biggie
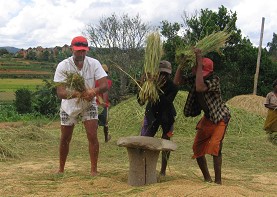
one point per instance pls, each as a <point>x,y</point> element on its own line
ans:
<point>88,114</point>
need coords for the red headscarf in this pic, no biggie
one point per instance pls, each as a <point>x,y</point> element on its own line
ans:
<point>208,66</point>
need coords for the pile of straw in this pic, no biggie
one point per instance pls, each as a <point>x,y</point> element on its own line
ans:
<point>151,84</point>
<point>250,103</point>
<point>213,42</point>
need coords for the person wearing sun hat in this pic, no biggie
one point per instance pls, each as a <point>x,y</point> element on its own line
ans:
<point>76,104</point>
<point>205,95</point>
<point>162,113</point>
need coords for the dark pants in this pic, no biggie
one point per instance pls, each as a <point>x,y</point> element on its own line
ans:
<point>103,117</point>
<point>151,129</point>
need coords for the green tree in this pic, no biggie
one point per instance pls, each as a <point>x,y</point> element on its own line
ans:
<point>31,55</point>
<point>207,21</point>
<point>3,51</point>
<point>45,55</point>
<point>62,55</point>
<point>171,32</point>
<point>23,103</point>
<point>273,47</point>
<point>45,100</point>
<point>236,67</point>
<point>119,40</point>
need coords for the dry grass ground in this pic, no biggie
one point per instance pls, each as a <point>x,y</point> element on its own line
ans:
<point>7,96</point>
<point>249,159</point>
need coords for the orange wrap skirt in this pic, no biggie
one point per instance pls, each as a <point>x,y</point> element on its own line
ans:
<point>208,138</point>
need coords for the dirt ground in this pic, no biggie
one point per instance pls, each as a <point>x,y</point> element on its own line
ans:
<point>38,178</point>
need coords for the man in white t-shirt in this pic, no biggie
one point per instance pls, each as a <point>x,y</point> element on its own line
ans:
<point>72,107</point>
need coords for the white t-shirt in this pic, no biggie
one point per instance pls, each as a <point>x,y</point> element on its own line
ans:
<point>91,71</point>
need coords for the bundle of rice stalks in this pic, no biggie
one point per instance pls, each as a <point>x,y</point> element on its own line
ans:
<point>74,81</point>
<point>213,42</point>
<point>151,85</point>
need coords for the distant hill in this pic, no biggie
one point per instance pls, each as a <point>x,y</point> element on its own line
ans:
<point>11,49</point>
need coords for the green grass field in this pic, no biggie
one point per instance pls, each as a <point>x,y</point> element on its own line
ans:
<point>11,85</point>
<point>10,68</point>
<point>29,155</point>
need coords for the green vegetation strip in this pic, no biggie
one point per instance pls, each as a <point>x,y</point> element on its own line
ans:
<point>11,85</point>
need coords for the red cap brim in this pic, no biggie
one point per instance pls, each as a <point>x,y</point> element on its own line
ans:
<point>80,48</point>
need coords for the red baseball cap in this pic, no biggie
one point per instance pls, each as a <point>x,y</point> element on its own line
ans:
<point>79,43</point>
<point>208,66</point>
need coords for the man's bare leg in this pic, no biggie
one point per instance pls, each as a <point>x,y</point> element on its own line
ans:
<point>66,135</point>
<point>91,129</point>
<point>217,168</point>
<point>202,163</point>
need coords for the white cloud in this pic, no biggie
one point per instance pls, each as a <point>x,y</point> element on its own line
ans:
<point>250,15</point>
<point>44,23</point>
<point>47,23</point>
<point>8,10</point>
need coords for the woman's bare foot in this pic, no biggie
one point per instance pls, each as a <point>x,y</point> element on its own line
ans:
<point>59,172</point>
<point>94,173</point>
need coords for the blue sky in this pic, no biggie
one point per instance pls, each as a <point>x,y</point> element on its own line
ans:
<point>49,23</point>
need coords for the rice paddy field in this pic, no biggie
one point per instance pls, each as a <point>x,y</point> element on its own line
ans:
<point>16,73</point>
<point>29,158</point>
<point>18,64</point>
<point>9,86</point>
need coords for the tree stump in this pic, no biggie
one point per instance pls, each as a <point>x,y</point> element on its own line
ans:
<point>143,153</point>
